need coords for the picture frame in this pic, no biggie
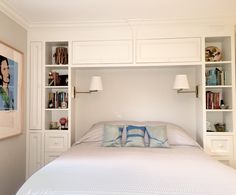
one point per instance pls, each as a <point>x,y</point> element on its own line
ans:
<point>11,91</point>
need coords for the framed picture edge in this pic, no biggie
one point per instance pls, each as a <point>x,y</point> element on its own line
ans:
<point>21,95</point>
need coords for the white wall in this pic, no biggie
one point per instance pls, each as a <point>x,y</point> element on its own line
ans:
<point>135,94</point>
<point>12,150</point>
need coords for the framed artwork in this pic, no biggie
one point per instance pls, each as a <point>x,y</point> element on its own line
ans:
<point>11,91</point>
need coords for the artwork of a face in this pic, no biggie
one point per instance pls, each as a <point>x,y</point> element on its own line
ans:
<point>8,83</point>
<point>5,72</point>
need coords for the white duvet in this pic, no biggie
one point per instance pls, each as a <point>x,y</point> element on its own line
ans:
<point>91,169</point>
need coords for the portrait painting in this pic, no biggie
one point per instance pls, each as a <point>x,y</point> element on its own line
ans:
<point>8,83</point>
<point>11,91</point>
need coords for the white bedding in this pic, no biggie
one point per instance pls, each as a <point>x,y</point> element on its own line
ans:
<point>91,169</point>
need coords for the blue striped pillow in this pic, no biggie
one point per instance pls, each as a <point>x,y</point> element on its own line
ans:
<point>135,136</point>
<point>157,136</point>
<point>112,135</point>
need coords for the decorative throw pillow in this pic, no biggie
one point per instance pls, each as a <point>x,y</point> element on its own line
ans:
<point>157,136</point>
<point>135,136</point>
<point>112,135</point>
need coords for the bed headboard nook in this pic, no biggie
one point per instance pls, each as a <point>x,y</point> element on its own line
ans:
<point>138,62</point>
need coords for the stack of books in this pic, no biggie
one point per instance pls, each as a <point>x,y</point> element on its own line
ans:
<point>213,100</point>
<point>58,100</point>
<point>215,76</point>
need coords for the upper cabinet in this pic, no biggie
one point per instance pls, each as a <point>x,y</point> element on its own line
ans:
<point>168,50</point>
<point>96,52</point>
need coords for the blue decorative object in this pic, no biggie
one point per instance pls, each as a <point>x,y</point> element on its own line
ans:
<point>135,136</point>
<point>211,77</point>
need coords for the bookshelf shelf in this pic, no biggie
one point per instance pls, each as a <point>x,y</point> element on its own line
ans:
<point>219,110</point>
<point>56,66</point>
<point>220,133</point>
<point>218,86</point>
<point>56,87</point>
<point>217,63</point>
<point>56,109</point>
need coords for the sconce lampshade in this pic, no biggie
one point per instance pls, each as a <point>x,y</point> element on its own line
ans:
<point>96,84</point>
<point>181,82</point>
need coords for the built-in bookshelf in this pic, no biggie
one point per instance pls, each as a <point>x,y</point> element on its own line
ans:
<point>56,85</point>
<point>219,98</point>
<point>56,129</point>
<point>218,84</point>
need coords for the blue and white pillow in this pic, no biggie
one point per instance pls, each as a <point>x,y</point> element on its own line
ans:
<point>112,135</point>
<point>135,136</point>
<point>157,136</point>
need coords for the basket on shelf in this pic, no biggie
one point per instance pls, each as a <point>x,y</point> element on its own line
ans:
<point>220,127</point>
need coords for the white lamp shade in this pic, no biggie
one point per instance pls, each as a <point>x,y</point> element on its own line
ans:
<point>96,84</point>
<point>181,82</point>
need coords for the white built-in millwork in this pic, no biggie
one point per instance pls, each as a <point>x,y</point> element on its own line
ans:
<point>35,101</point>
<point>102,52</point>
<point>125,55</point>
<point>169,50</point>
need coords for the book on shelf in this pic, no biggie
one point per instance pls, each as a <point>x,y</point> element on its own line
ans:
<point>213,100</point>
<point>58,100</point>
<point>215,76</point>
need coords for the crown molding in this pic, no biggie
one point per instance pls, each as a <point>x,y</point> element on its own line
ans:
<point>11,13</point>
<point>223,20</point>
<point>81,23</point>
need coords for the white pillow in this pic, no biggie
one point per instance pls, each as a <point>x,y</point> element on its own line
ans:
<point>176,135</point>
<point>112,135</point>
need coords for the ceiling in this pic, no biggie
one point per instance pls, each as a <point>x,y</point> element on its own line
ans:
<point>61,11</point>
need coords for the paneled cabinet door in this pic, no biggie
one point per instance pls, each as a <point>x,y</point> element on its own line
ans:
<point>168,50</point>
<point>219,145</point>
<point>50,156</point>
<point>95,52</point>
<point>56,142</point>
<point>34,152</point>
<point>35,83</point>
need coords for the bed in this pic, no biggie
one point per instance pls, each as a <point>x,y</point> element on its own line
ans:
<point>90,168</point>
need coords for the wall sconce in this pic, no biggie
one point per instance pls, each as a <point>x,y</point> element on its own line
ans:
<point>181,83</point>
<point>95,86</point>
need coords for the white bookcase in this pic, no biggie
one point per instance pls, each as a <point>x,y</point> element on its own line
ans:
<point>46,137</point>
<point>56,102</point>
<point>219,80</point>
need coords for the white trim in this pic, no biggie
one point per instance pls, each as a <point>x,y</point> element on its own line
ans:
<point>11,13</point>
<point>84,23</point>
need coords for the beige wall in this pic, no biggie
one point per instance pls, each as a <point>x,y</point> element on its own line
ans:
<point>12,150</point>
<point>135,94</point>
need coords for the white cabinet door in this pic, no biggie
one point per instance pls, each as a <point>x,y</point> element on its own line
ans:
<point>90,52</point>
<point>56,142</point>
<point>219,145</point>
<point>50,156</point>
<point>168,50</point>
<point>34,152</point>
<point>35,83</point>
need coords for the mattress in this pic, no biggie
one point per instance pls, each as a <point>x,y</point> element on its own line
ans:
<point>89,168</point>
